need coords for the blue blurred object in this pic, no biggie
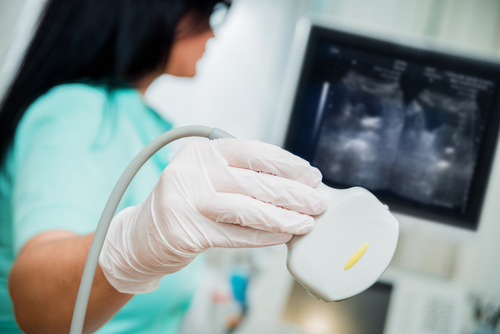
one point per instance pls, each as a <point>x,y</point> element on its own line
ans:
<point>239,283</point>
<point>484,329</point>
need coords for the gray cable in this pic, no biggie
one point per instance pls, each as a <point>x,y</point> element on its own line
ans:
<point>113,201</point>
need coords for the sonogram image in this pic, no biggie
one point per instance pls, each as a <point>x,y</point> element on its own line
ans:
<point>423,149</point>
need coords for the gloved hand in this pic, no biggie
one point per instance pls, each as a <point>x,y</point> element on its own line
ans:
<point>221,193</point>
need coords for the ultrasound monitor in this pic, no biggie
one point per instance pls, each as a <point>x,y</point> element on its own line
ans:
<point>417,127</point>
<point>365,313</point>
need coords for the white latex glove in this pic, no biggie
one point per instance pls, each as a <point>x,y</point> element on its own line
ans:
<point>222,193</point>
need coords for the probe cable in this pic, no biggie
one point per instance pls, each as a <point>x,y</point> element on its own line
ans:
<point>112,203</point>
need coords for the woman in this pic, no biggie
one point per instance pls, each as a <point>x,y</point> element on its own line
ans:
<point>71,122</point>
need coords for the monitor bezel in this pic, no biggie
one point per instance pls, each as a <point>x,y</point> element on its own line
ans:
<point>315,31</point>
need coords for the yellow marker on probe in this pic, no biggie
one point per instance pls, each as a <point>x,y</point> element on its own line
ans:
<point>356,256</point>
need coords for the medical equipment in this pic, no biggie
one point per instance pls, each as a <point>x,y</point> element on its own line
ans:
<point>350,247</point>
<point>365,208</point>
<point>397,115</point>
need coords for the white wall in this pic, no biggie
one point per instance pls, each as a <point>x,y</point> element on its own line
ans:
<point>17,21</point>
<point>479,261</point>
<point>470,24</point>
<point>10,11</point>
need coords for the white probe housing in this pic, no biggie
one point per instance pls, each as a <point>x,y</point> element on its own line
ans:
<point>349,248</point>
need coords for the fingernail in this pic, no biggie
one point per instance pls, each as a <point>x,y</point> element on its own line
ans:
<point>321,205</point>
<point>286,238</point>
<point>306,226</point>
<point>317,176</point>
<point>277,239</point>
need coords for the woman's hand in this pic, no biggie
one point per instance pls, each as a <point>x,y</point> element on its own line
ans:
<point>223,193</point>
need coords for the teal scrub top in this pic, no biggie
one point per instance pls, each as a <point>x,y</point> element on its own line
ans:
<point>70,148</point>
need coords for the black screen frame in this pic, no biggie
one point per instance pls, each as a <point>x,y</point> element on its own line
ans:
<point>470,219</point>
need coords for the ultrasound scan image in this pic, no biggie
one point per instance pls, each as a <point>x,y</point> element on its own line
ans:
<point>359,136</point>
<point>390,125</point>
<point>436,154</point>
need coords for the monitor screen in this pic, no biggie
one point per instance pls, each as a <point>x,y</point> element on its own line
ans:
<point>416,127</point>
<point>365,313</point>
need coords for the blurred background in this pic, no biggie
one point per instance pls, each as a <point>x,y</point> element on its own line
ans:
<point>443,279</point>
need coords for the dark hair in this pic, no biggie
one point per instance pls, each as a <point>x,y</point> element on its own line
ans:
<point>110,42</point>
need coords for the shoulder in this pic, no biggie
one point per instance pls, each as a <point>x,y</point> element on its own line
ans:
<point>68,114</point>
<point>71,91</point>
<point>70,100</point>
<point>65,106</point>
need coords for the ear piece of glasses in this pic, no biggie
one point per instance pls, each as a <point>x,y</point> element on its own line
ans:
<point>219,15</point>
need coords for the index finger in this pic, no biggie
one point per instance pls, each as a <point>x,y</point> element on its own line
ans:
<point>267,158</point>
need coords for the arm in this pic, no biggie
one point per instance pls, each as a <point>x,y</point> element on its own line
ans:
<point>44,281</point>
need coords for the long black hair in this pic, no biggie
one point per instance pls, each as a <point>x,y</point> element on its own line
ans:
<point>111,42</point>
